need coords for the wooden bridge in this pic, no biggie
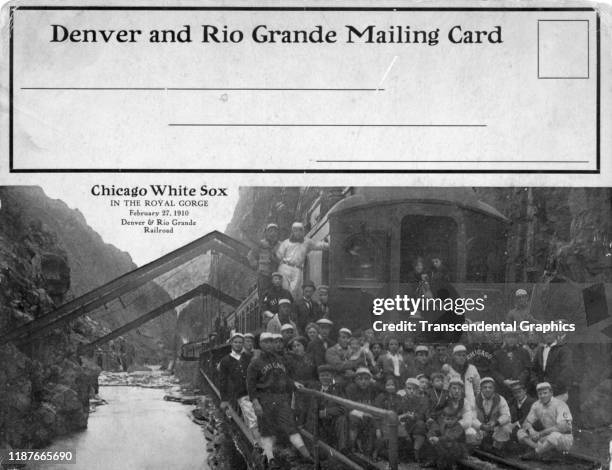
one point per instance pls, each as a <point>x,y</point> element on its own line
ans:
<point>130,282</point>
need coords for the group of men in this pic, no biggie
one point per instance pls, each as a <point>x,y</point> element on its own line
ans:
<point>481,393</point>
<point>447,399</point>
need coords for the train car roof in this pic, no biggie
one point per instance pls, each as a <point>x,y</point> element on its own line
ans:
<point>462,197</point>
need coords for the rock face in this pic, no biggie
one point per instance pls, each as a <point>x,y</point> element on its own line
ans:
<point>80,244</point>
<point>46,253</point>
<point>567,230</point>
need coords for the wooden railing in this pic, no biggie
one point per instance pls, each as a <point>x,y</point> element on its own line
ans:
<point>208,370</point>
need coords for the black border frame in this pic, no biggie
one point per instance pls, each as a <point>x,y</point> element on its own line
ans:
<point>12,9</point>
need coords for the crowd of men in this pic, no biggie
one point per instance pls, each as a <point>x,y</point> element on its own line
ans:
<point>495,392</point>
<point>489,390</point>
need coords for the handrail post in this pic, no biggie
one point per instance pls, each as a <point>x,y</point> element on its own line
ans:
<point>315,431</point>
<point>393,450</point>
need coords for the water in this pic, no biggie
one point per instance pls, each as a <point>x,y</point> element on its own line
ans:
<point>136,430</point>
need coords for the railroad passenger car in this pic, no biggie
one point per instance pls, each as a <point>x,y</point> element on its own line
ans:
<point>375,236</point>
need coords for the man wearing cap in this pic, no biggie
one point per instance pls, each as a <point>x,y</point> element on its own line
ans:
<point>281,318</point>
<point>307,310</point>
<point>292,254</point>
<point>338,356</point>
<point>464,411</point>
<point>460,368</point>
<point>287,333</point>
<point>270,388</point>
<point>521,310</point>
<point>232,382</point>
<point>492,418</point>
<point>553,417</point>
<point>272,297</point>
<point>332,417</point>
<point>319,346</point>
<point>413,415</point>
<point>448,439</point>
<point>511,363</point>
<point>422,364</point>
<point>263,259</point>
<point>437,398</point>
<point>279,345</point>
<point>520,406</point>
<point>439,357</point>
<point>361,425</point>
<point>249,346</point>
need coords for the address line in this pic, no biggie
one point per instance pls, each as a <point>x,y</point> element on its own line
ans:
<point>317,125</point>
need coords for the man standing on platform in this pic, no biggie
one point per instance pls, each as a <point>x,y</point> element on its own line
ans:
<point>324,302</point>
<point>270,388</point>
<point>511,363</point>
<point>232,382</point>
<point>292,254</point>
<point>307,309</point>
<point>263,259</point>
<point>272,297</point>
<point>554,364</point>
<point>319,346</point>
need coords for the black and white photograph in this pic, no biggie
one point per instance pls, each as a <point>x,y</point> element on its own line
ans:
<point>340,327</point>
<point>306,235</point>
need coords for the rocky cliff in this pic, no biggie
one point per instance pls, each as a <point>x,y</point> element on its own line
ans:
<point>48,255</point>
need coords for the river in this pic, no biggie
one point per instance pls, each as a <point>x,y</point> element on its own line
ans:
<point>136,430</point>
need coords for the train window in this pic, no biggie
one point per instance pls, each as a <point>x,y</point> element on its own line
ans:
<point>485,249</point>
<point>424,237</point>
<point>325,267</point>
<point>364,257</point>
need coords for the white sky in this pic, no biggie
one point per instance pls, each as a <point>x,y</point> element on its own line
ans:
<point>142,247</point>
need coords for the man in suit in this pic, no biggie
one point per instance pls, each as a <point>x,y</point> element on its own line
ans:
<point>520,405</point>
<point>392,363</point>
<point>332,417</point>
<point>307,310</point>
<point>272,297</point>
<point>232,382</point>
<point>554,364</point>
<point>510,363</point>
<point>324,301</point>
<point>263,258</point>
<point>319,346</point>
<point>339,357</point>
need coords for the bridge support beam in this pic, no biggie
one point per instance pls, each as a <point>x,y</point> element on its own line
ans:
<point>203,289</point>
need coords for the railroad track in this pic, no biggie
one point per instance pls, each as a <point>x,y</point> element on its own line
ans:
<point>481,460</point>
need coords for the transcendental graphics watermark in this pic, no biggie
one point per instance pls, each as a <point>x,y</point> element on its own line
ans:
<point>503,327</point>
